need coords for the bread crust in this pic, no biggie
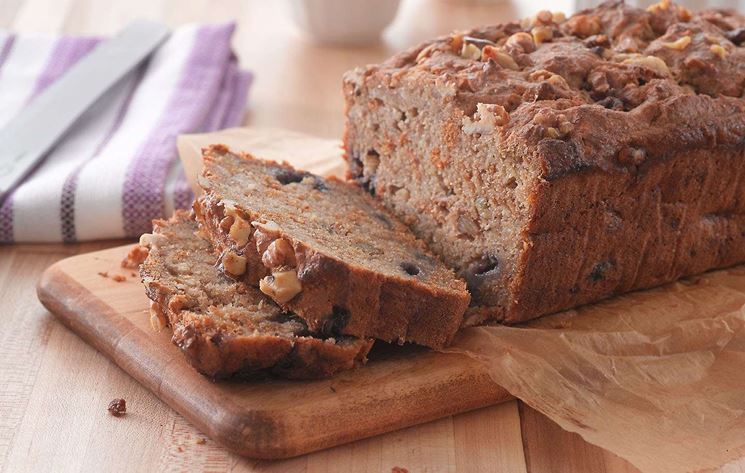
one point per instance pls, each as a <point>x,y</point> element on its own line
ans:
<point>225,328</point>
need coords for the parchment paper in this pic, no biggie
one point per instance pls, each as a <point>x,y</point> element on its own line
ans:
<point>656,377</point>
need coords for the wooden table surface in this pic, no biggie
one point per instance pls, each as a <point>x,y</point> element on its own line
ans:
<point>54,389</point>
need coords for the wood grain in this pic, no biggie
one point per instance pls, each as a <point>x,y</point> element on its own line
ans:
<point>400,386</point>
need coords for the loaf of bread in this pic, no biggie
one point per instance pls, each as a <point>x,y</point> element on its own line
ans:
<point>327,251</point>
<point>225,327</point>
<point>555,162</point>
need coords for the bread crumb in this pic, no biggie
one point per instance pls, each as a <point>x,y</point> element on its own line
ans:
<point>103,274</point>
<point>119,277</point>
<point>180,449</point>
<point>118,407</point>
<point>399,469</point>
<point>201,441</point>
<point>135,257</point>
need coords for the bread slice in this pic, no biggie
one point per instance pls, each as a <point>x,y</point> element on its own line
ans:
<point>225,327</point>
<point>327,251</point>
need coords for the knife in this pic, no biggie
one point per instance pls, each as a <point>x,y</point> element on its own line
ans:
<point>27,138</point>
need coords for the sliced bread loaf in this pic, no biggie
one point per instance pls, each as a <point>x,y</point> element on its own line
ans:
<point>327,251</point>
<point>225,327</point>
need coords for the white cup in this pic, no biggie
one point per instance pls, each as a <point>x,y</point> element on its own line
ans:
<point>352,22</point>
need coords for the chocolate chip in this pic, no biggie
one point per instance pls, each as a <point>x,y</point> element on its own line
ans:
<point>737,36</point>
<point>384,220</point>
<point>481,272</point>
<point>410,268</point>
<point>288,176</point>
<point>598,271</point>
<point>612,103</point>
<point>118,407</point>
<point>320,185</point>
<point>334,324</point>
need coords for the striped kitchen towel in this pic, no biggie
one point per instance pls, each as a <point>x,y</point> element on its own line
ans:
<point>117,168</point>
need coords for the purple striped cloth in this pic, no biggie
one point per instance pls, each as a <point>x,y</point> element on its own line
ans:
<point>117,168</point>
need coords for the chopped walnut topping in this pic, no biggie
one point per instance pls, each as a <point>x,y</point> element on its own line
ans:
<point>521,40</point>
<point>539,75</point>
<point>158,319</point>
<point>470,51</point>
<point>583,25</point>
<point>471,48</point>
<point>679,44</point>
<point>718,50</point>
<point>281,286</point>
<point>456,43</point>
<point>279,254</point>
<point>554,126</point>
<point>650,62</point>
<point>544,17</point>
<point>631,156</point>
<point>683,13</point>
<point>542,34</point>
<point>499,57</point>
<point>233,263</point>
<point>486,118</point>
<point>663,5</point>
<point>240,231</point>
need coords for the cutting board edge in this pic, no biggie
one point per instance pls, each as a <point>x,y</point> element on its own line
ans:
<point>64,296</point>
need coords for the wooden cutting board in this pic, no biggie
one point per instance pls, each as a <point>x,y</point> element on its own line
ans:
<point>270,418</point>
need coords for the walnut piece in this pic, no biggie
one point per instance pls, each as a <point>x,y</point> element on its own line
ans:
<point>583,25</point>
<point>486,119</point>
<point>265,233</point>
<point>521,40</point>
<point>679,44</point>
<point>233,263</point>
<point>542,34</point>
<point>649,62</point>
<point>279,254</point>
<point>499,57</point>
<point>240,231</point>
<point>718,50</point>
<point>281,286</point>
<point>158,319</point>
<point>470,51</point>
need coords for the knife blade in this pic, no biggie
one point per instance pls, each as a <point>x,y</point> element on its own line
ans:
<point>27,138</point>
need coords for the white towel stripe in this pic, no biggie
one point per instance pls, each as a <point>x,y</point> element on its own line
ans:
<point>103,177</point>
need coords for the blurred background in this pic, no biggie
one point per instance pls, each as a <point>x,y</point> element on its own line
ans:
<point>285,43</point>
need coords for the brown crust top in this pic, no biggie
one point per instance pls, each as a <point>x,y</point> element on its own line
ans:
<point>607,88</point>
<point>225,327</point>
